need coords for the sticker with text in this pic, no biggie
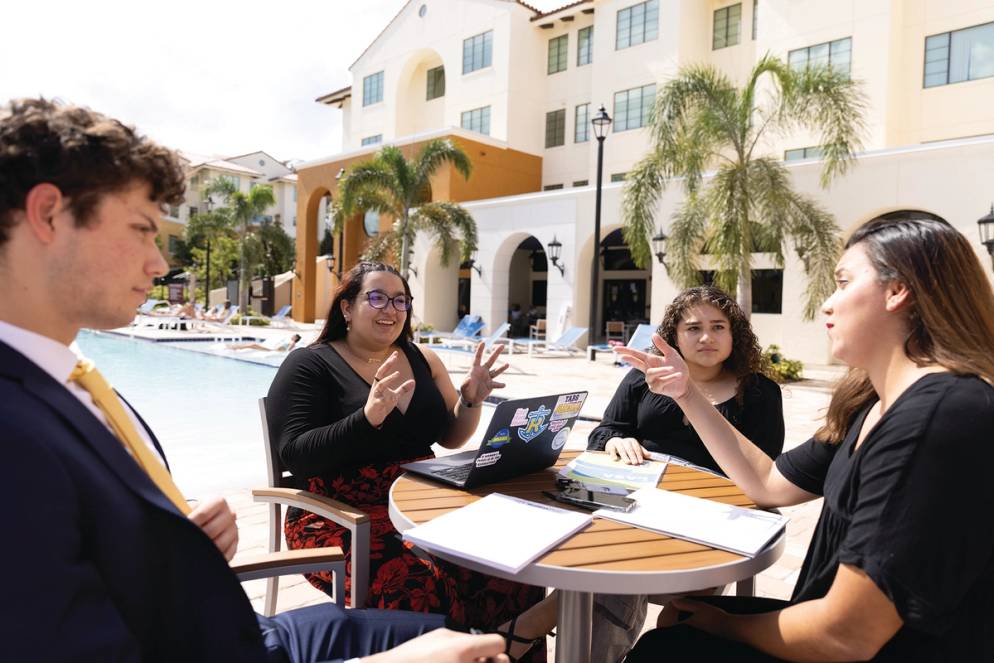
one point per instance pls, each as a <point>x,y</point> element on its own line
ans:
<point>556,426</point>
<point>559,441</point>
<point>520,417</point>
<point>536,424</point>
<point>502,437</point>
<point>568,406</point>
<point>487,459</point>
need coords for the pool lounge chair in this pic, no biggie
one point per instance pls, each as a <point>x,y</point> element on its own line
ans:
<point>468,328</point>
<point>488,341</point>
<point>565,343</point>
<point>279,319</point>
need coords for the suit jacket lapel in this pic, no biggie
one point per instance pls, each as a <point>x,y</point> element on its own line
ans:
<point>66,406</point>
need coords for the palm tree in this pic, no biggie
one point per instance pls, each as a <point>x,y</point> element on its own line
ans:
<point>205,228</point>
<point>243,208</point>
<point>390,184</point>
<point>701,120</point>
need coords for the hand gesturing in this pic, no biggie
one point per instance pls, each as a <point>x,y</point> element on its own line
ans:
<point>386,391</point>
<point>665,374</point>
<point>480,380</point>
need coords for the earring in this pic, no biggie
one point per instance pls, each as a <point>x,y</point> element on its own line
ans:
<point>348,324</point>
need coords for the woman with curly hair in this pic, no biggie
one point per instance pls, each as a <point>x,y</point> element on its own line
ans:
<point>715,339</point>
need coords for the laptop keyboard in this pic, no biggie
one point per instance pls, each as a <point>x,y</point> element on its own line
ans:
<point>457,473</point>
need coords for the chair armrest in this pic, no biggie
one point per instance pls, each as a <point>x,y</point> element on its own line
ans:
<point>289,562</point>
<point>337,512</point>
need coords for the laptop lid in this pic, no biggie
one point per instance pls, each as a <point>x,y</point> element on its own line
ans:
<point>525,435</point>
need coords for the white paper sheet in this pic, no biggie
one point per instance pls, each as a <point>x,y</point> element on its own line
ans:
<point>719,525</point>
<point>500,531</point>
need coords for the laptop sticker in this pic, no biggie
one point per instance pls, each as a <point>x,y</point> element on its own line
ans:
<point>567,407</point>
<point>502,437</point>
<point>520,417</point>
<point>556,426</point>
<point>559,441</point>
<point>536,424</point>
<point>487,459</point>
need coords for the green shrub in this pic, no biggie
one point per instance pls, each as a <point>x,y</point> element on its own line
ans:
<point>782,369</point>
<point>255,322</point>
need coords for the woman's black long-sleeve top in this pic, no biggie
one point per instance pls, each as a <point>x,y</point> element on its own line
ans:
<point>315,411</point>
<point>658,423</point>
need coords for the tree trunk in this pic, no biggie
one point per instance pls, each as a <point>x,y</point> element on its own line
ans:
<point>243,275</point>
<point>404,249</point>
<point>743,290</point>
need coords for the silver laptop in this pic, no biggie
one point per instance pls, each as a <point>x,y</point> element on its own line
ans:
<point>524,435</point>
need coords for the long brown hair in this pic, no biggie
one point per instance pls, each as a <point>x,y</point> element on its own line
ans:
<point>746,357</point>
<point>951,318</point>
<point>336,328</point>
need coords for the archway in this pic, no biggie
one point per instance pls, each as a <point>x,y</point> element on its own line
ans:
<point>527,286</point>
<point>436,286</point>
<point>420,101</point>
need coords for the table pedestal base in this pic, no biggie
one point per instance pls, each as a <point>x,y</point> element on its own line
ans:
<point>576,611</point>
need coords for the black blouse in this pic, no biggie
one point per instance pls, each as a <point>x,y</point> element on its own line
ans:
<point>912,509</point>
<point>657,422</point>
<point>315,407</point>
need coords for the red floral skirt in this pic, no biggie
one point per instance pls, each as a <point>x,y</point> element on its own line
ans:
<point>399,579</point>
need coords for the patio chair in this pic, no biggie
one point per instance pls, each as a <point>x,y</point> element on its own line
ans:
<point>614,330</point>
<point>279,318</point>
<point>468,327</point>
<point>536,332</point>
<point>488,341</point>
<point>147,307</point>
<point>565,343</point>
<point>281,492</point>
<point>641,340</point>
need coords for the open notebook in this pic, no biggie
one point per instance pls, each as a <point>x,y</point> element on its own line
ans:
<point>725,526</point>
<point>502,532</point>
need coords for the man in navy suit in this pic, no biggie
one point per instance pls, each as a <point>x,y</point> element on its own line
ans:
<point>97,563</point>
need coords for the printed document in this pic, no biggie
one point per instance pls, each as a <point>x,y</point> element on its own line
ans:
<point>598,469</point>
<point>725,526</point>
<point>503,532</point>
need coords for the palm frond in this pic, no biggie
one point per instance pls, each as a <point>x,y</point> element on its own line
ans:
<point>643,186</point>
<point>382,247</point>
<point>365,178</point>
<point>394,160</point>
<point>687,233</point>
<point>436,153</point>
<point>444,220</point>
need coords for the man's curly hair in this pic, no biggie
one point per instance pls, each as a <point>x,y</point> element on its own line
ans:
<point>746,358</point>
<point>82,152</point>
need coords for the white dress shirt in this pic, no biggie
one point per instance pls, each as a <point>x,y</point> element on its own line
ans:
<point>59,361</point>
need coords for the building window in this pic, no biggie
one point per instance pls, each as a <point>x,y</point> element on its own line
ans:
<point>294,189</point>
<point>193,211</point>
<point>174,245</point>
<point>477,52</point>
<point>372,140</point>
<point>552,187</point>
<point>618,177</point>
<point>585,46</point>
<point>174,211</point>
<point>581,183</point>
<point>767,291</point>
<point>294,220</point>
<point>371,223</point>
<point>555,128</point>
<point>637,24</point>
<point>727,26</point>
<point>836,54</point>
<point>235,180</point>
<point>631,107</point>
<point>960,55</point>
<point>581,124</point>
<point>558,47</point>
<point>755,18</point>
<point>477,120</point>
<point>372,89</point>
<point>436,83</point>
<point>802,153</point>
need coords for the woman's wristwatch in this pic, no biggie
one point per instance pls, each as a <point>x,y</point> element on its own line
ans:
<point>465,403</point>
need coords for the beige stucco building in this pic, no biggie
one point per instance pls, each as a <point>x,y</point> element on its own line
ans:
<point>517,88</point>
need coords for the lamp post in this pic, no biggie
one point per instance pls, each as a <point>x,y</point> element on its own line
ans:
<point>601,122</point>
<point>659,247</point>
<point>208,204</point>
<point>985,225</point>
<point>555,247</point>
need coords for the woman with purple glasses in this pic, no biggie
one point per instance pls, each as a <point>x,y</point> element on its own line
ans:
<point>349,410</point>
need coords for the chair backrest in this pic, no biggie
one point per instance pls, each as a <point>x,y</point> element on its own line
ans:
<point>282,313</point>
<point>464,324</point>
<point>474,327</point>
<point>149,305</point>
<point>276,473</point>
<point>642,337</point>
<point>540,324</point>
<point>497,333</point>
<point>570,337</point>
<point>614,326</point>
<point>232,312</point>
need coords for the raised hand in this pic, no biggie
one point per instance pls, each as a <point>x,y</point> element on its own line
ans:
<point>386,391</point>
<point>479,381</point>
<point>665,374</point>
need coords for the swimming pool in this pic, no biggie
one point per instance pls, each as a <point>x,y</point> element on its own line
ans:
<point>203,409</point>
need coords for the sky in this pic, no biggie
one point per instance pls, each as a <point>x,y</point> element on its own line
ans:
<point>213,77</point>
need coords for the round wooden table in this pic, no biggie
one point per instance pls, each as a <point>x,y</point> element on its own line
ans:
<point>607,557</point>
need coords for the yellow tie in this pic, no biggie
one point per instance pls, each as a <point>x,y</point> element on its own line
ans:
<point>106,399</point>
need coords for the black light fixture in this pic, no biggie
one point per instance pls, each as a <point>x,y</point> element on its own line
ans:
<point>985,225</point>
<point>555,247</point>
<point>659,247</point>
<point>330,262</point>
<point>601,122</point>
<point>411,268</point>
<point>475,265</point>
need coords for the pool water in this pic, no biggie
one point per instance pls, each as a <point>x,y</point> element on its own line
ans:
<point>204,409</point>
